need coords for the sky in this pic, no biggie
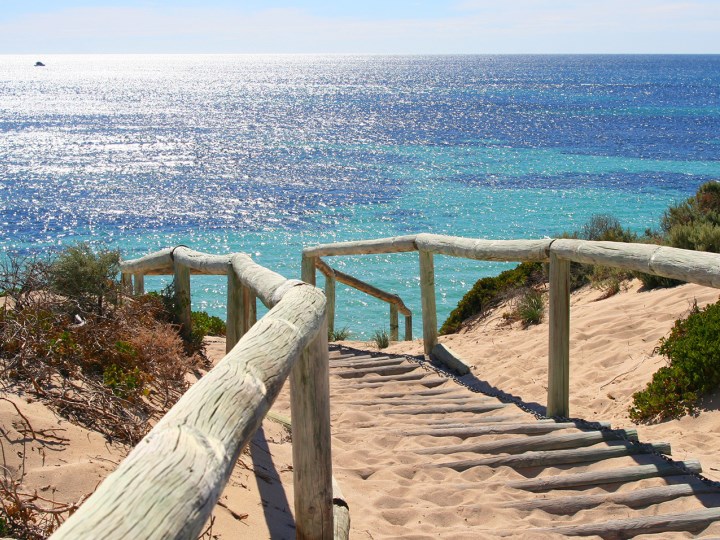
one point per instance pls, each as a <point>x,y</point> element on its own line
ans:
<point>359,26</point>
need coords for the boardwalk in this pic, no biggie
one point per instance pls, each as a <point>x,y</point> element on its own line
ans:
<point>416,451</point>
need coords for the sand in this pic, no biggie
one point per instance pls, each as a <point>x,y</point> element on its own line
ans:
<point>393,491</point>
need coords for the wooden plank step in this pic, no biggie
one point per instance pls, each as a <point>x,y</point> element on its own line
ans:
<point>634,499</point>
<point>380,361</point>
<point>389,378</point>
<point>475,431</point>
<point>446,409</point>
<point>380,370</point>
<point>552,458</point>
<point>524,444</point>
<point>408,423</point>
<point>626,528</point>
<point>432,392</point>
<point>428,382</point>
<point>621,475</point>
<point>366,358</point>
<point>442,400</point>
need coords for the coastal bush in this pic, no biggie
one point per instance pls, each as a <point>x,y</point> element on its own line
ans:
<point>695,222</point>
<point>87,279</point>
<point>207,325</point>
<point>489,292</point>
<point>106,365</point>
<point>382,339</point>
<point>693,352</point>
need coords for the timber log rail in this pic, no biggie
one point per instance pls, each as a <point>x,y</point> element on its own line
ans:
<point>691,266</point>
<point>168,485</point>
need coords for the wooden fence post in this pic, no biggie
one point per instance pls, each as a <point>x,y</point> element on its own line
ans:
<point>139,284</point>
<point>393,322</point>
<point>330,299</point>
<point>126,284</point>
<point>234,323</point>
<point>427,293</point>
<point>310,410</point>
<point>182,296</point>
<point>408,327</point>
<point>249,307</point>
<point>558,403</point>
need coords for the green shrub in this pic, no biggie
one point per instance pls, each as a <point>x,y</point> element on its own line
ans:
<point>339,335</point>
<point>381,338</point>
<point>207,325</point>
<point>88,279</point>
<point>693,351</point>
<point>489,292</point>
<point>530,308</point>
<point>695,222</point>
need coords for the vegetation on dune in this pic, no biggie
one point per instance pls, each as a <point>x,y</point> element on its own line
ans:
<point>339,335</point>
<point>490,292</point>
<point>382,339</point>
<point>693,370</point>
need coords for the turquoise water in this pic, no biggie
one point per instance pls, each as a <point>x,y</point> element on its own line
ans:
<point>267,154</point>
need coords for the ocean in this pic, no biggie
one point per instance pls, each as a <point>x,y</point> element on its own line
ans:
<point>266,154</point>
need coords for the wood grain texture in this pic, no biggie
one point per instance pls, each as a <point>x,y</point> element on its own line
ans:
<point>408,328</point>
<point>613,476</point>
<point>427,297</point>
<point>181,282</point>
<point>464,433</point>
<point>168,485</point>
<point>234,327</point>
<point>486,250</point>
<point>551,458</point>
<point>694,266</point>
<point>138,284</point>
<point>394,322</point>
<point>397,244</point>
<point>330,296</point>
<point>542,442</point>
<point>633,499</point>
<point>355,283</point>
<point>311,449</point>
<point>126,285</point>
<point>558,403</point>
<point>628,528</point>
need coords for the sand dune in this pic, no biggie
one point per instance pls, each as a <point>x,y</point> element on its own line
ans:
<point>395,488</point>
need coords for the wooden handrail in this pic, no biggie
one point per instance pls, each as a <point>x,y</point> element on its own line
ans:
<point>169,483</point>
<point>685,265</point>
<point>396,303</point>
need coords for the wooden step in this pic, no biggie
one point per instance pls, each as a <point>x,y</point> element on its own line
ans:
<point>447,409</point>
<point>626,474</point>
<point>552,458</point>
<point>524,444</point>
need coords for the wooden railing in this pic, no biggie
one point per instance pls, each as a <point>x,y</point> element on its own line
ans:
<point>396,304</point>
<point>692,266</point>
<point>169,483</point>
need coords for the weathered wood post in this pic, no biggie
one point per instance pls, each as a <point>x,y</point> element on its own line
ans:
<point>182,296</point>
<point>126,283</point>
<point>310,409</point>
<point>559,341</point>
<point>393,322</point>
<point>330,298</point>
<point>138,284</point>
<point>408,327</point>
<point>234,323</point>
<point>249,307</point>
<point>427,293</point>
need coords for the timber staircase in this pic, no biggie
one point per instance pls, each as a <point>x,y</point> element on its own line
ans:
<point>475,464</point>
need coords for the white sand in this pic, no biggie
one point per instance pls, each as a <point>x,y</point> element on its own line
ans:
<point>391,490</point>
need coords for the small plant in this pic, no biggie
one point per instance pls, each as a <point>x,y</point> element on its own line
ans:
<point>339,335</point>
<point>693,351</point>
<point>530,308</point>
<point>381,338</point>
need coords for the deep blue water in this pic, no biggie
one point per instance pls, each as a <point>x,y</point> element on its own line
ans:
<point>267,154</point>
